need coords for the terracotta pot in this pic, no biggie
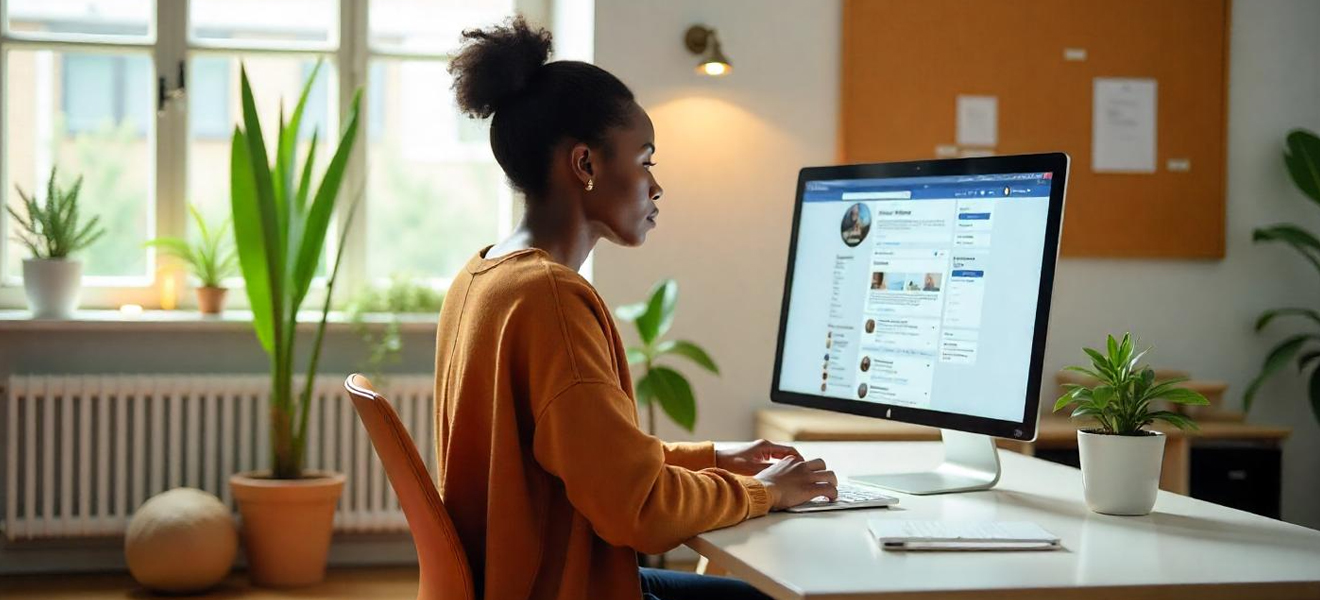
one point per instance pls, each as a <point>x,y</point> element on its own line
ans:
<point>211,300</point>
<point>287,525</point>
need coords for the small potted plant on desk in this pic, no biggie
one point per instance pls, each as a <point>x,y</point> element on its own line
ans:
<point>211,260</point>
<point>1120,457</point>
<point>52,231</point>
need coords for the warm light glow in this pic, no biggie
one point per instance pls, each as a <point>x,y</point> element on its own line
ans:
<point>168,294</point>
<point>714,69</point>
<point>130,309</point>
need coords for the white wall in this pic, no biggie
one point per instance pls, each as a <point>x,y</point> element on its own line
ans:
<point>729,151</point>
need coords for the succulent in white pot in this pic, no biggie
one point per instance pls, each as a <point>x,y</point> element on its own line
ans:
<point>1120,456</point>
<point>52,230</point>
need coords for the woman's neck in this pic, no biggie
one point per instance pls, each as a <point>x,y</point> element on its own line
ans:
<point>562,233</point>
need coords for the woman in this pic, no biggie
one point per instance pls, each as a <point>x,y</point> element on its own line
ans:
<point>551,485</point>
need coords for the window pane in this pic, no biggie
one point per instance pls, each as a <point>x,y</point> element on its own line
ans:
<point>96,127</point>
<point>430,25</point>
<point>265,22</point>
<point>433,186</point>
<point>215,107</point>
<point>74,19</point>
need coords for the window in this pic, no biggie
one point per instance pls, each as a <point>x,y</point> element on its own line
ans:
<point>81,78</point>
<point>85,108</point>
<point>434,191</point>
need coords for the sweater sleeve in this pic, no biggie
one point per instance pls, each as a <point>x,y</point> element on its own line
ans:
<point>690,455</point>
<point>616,475</point>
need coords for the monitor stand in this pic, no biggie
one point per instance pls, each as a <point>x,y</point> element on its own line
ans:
<point>971,463</point>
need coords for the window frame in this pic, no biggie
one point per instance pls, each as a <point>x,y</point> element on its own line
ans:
<point>169,43</point>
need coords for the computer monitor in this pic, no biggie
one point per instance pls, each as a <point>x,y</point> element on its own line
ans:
<point>920,292</point>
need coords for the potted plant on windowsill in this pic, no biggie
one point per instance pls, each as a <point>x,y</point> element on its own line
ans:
<point>280,224</point>
<point>211,260</point>
<point>52,232</point>
<point>1120,457</point>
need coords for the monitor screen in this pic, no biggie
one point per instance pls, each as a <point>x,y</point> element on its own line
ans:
<point>918,292</point>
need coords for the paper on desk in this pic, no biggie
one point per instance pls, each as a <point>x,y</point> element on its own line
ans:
<point>1123,125</point>
<point>978,120</point>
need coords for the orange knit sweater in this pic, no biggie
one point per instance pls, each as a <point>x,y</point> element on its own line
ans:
<point>543,468</point>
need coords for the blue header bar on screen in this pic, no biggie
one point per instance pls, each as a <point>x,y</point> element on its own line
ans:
<point>919,188</point>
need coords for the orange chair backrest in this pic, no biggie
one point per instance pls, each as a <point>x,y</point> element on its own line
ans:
<point>445,573</point>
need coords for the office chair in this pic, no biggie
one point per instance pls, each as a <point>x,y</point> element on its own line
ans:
<point>445,573</point>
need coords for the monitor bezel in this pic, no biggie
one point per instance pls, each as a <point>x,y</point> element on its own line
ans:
<point>1025,428</point>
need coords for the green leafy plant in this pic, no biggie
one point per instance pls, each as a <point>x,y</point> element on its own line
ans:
<point>53,230</point>
<point>404,294</point>
<point>1302,157</point>
<point>212,259</point>
<point>1120,401</point>
<point>660,384</point>
<point>280,224</point>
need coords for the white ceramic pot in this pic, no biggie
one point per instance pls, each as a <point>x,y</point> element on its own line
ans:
<point>1121,473</point>
<point>53,286</point>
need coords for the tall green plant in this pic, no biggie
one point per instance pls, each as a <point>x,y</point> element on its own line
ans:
<point>660,384</point>
<point>54,229</point>
<point>280,224</point>
<point>211,259</point>
<point>1302,157</point>
<point>1120,402</point>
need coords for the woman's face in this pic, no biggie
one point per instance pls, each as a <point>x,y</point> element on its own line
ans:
<point>621,206</point>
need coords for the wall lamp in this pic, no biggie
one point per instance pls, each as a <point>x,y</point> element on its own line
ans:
<point>701,40</point>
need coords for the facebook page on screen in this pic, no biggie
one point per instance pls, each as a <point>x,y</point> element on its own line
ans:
<point>918,292</point>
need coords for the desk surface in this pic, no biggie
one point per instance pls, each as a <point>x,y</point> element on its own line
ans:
<point>1186,548</point>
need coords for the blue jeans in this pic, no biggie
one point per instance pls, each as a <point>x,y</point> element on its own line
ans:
<point>659,584</point>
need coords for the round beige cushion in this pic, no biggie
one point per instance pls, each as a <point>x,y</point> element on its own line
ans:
<point>182,540</point>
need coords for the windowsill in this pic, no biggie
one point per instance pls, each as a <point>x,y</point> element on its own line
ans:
<point>193,321</point>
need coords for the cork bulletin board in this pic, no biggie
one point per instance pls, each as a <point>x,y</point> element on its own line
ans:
<point>905,64</point>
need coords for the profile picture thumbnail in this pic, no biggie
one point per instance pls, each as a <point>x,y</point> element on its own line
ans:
<point>866,364</point>
<point>856,224</point>
<point>870,325</point>
<point>931,282</point>
<point>861,391</point>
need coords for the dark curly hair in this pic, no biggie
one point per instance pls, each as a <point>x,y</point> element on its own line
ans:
<point>501,72</point>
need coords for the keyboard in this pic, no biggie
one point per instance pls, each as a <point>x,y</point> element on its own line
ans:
<point>851,495</point>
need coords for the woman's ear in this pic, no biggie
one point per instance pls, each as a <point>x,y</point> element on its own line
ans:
<point>580,163</point>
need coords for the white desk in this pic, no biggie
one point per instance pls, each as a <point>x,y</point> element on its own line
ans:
<point>1185,549</point>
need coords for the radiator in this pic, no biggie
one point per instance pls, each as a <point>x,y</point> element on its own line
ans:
<point>82,452</point>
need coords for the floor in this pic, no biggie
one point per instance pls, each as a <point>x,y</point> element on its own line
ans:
<point>379,583</point>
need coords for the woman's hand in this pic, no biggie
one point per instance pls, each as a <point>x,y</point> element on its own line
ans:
<point>793,481</point>
<point>752,457</point>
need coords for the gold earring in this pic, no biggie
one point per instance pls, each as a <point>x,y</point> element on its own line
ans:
<point>591,184</point>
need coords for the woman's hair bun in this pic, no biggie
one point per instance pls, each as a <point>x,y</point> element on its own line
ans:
<point>496,64</point>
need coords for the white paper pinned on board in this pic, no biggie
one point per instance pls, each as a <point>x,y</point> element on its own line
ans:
<point>1123,125</point>
<point>978,120</point>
